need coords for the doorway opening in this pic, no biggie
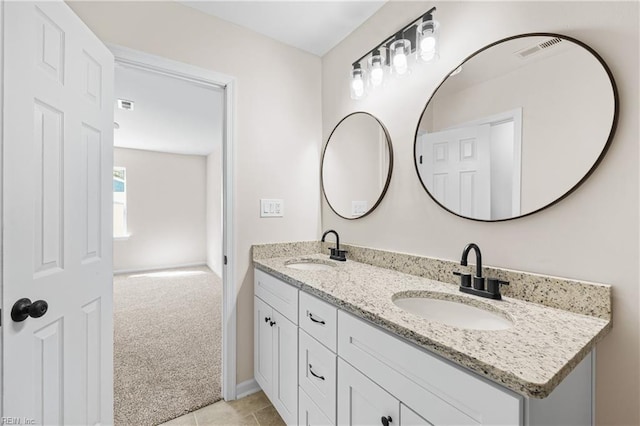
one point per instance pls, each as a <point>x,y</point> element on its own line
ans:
<point>173,310</point>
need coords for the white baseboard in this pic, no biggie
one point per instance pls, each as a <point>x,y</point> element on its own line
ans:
<point>158,268</point>
<point>246,388</point>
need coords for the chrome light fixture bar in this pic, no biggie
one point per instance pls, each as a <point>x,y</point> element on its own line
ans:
<point>393,55</point>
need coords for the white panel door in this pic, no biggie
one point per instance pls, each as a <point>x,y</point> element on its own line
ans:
<point>263,344</point>
<point>362,402</point>
<point>455,166</point>
<point>284,394</point>
<point>56,194</point>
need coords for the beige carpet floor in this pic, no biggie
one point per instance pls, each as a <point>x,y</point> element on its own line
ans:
<point>167,344</point>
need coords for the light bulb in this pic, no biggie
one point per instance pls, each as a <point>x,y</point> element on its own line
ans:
<point>399,51</point>
<point>377,75</point>
<point>428,43</point>
<point>357,84</point>
<point>400,62</point>
<point>376,69</point>
<point>428,55</point>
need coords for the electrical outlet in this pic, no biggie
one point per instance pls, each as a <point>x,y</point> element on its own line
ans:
<point>358,208</point>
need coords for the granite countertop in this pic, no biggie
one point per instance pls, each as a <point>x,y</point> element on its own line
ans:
<point>530,358</point>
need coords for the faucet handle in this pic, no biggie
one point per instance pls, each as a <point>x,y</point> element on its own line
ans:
<point>465,279</point>
<point>493,285</point>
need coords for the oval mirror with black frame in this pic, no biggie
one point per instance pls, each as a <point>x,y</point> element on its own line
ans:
<point>517,127</point>
<point>356,165</point>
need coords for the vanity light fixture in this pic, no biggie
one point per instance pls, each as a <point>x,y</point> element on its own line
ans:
<point>393,56</point>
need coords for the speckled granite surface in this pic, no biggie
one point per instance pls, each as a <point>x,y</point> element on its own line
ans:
<point>531,358</point>
<point>570,295</point>
<point>298,248</point>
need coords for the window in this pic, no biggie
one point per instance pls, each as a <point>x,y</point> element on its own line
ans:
<point>120,202</point>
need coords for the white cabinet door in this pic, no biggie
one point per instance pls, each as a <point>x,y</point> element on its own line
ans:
<point>408,417</point>
<point>263,344</point>
<point>310,414</point>
<point>57,156</point>
<point>284,395</point>
<point>361,401</point>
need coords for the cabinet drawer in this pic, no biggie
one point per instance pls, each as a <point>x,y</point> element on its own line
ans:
<point>318,374</point>
<point>319,319</point>
<point>309,413</point>
<point>442,393</point>
<point>280,295</point>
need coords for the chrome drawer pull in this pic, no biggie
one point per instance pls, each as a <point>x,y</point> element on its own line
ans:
<point>314,374</point>
<point>310,315</point>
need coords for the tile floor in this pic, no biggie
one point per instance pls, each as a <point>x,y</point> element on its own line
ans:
<point>254,410</point>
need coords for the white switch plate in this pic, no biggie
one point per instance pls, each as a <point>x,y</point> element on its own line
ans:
<point>271,207</point>
<point>358,208</point>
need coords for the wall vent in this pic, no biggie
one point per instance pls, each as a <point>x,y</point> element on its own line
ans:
<point>528,51</point>
<point>126,105</point>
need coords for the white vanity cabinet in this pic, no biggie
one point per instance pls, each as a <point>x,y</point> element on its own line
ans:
<point>322,366</point>
<point>276,343</point>
<point>440,393</point>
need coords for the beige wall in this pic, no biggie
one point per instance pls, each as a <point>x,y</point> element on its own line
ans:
<point>165,210</point>
<point>591,235</point>
<point>214,211</point>
<point>277,130</point>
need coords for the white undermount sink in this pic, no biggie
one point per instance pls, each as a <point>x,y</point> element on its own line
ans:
<point>310,265</point>
<point>453,313</point>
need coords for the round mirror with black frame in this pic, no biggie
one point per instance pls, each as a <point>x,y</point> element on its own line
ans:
<point>516,127</point>
<point>356,167</point>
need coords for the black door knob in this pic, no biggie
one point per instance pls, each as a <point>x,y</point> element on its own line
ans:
<point>24,309</point>
<point>385,420</point>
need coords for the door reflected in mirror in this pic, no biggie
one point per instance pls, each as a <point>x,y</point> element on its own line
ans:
<point>356,165</point>
<point>516,127</point>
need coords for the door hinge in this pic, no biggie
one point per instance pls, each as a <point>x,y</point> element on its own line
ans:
<point>225,259</point>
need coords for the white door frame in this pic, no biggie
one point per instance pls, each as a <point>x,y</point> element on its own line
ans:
<point>160,65</point>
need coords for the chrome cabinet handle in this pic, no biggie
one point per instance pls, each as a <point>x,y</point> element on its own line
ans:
<point>310,315</point>
<point>314,374</point>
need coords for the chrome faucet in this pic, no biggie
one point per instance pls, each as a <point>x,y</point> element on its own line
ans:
<point>492,290</point>
<point>336,253</point>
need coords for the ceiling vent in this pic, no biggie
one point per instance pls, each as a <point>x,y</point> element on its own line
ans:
<point>126,105</point>
<point>528,51</point>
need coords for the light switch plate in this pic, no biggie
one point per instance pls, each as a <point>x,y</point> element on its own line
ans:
<point>271,207</point>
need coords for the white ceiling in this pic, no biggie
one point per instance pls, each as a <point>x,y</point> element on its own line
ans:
<point>314,26</point>
<point>169,115</point>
